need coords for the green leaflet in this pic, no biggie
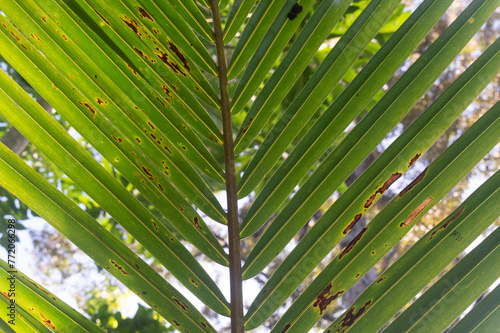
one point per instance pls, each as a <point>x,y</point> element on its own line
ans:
<point>269,50</point>
<point>45,310</point>
<point>237,15</point>
<point>102,95</point>
<point>166,61</point>
<point>365,136</point>
<point>390,225</point>
<point>97,242</point>
<point>156,21</point>
<point>52,140</point>
<point>483,317</point>
<point>187,11</point>
<point>268,21</point>
<point>106,139</point>
<point>162,87</point>
<point>329,73</point>
<point>150,101</point>
<point>311,37</point>
<point>455,291</point>
<point>390,166</point>
<point>424,260</point>
<point>161,58</point>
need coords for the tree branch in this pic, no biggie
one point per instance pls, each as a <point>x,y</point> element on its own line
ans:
<point>237,320</point>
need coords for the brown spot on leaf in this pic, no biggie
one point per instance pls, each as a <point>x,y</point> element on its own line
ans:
<point>447,223</point>
<point>161,187</point>
<point>196,224</point>
<point>181,304</point>
<point>47,322</point>
<point>132,24</point>
<point>193,282</point>
<point>395,176</point>
<point>35,36</point>
<point>175,323</point>
<point>413,183</point>
<point>414,159</point>
<point>133,70</point>
<point>138,140</point>
<point>350,317</point>
<point>165,89</point>
<point>144,13</point>
<point>102,17</point>
<point>166,148</point>
<point>179,55</point>
<point>324,299</point>
<point>287,327</point>
<point>44,18</point>
<point>84,103</point>
<point>151,125</point>
<point>381,279</point>
<point>173,66</point>
<point>119,267</point>
<point>416,211</point>
<point>353,222</point>
<point>351,244</point>
<point>16,36</point>
<point>136,266</point>
<point>153,136</point>
<point>147,172</point>
<point>101,101</point>
<point>144,293</point>
<point>162,102</point>
<point>120,140</point>
<point>155,226</point>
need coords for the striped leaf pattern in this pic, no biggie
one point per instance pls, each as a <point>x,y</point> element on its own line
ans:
<point>275,101</point>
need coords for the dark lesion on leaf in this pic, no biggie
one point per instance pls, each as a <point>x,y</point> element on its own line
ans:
<point>132,24</point>
<point>101,102</point>
<point>47,322</point>
<point>196,223</point>
<point>296,10</point>
<point>87,105</point>
<point>119,267</point>
<point>350,317</point>
<point>172,65</point>
<point>181,304</point>
<point>144,13</point>
<point>351,244</point>
<point>381,190</point>
<point>413,183</point>
<point>447,223</point>
<point>102,17</point>
<point>179,55</point>
<point>357,217</point>
<point>324,299</point>
<point>35,36</point>
<point>414,159</point>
